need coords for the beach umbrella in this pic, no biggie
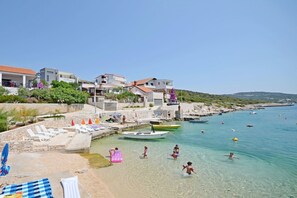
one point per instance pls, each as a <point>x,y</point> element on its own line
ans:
<point>4,154</point>
<point>72,123</point>
<point>97,121</point>
<point>83,122</point>
<point>90,121</point>
<point>4,169</point>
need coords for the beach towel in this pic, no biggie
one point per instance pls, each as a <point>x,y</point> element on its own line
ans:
<point>34,189</point>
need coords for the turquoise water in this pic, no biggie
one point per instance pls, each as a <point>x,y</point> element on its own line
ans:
<point>267,164</point>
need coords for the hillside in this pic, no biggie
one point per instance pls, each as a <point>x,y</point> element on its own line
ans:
<point>209,99</point>
<point>268,96</point>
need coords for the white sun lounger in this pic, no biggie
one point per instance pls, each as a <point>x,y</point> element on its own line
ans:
<point>45,133</point>
<point>80,129</point>
<point>50,130</point>
<point>37,136</point>
<point>70,187</point>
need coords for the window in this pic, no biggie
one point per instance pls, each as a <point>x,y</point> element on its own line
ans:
<point>158,83</point>
<point>47,78</point>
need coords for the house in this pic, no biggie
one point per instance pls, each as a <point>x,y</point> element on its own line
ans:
<point>49,74</point>
<point>160,87</point>
<point>66,77</point>
<point>107,82</point>
<point>13,77</point>
<point>155,84</point>
<point>147,95</point>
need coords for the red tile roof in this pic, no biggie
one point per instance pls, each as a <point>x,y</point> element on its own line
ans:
<point>141,82</point>
<point>16,70</point>
<point>144,89</point>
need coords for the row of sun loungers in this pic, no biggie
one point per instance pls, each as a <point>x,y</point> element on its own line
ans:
<point>44,134</point>
<point>42,189</point>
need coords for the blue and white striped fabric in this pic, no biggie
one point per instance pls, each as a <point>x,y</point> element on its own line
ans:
<point>34,189</point>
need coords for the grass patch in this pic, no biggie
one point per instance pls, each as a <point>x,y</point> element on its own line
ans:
<point>96,160</point>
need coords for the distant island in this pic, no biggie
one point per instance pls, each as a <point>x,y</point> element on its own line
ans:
<point>237,99</point>
<point>266,96</point>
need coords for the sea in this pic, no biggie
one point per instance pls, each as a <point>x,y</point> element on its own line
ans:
<point>266,163</point>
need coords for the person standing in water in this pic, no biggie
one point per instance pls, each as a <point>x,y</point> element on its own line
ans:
<point>145,152</point>
<point>189,168</point>
<point>175,152</point>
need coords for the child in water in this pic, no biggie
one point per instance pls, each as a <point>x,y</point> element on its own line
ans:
<point>231,156</point>
<point>189,168</point>
<point>175,152</point>
<point>145,152</point>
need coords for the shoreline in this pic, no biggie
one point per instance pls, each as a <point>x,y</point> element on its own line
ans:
<point>55,164</point>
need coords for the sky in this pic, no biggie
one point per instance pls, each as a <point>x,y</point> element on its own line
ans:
<point>215,46</point>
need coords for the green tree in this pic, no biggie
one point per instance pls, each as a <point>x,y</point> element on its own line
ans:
<point>44,82</point>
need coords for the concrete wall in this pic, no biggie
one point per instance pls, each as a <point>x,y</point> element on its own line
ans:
<point>43,108</point>
<point>122,106</point>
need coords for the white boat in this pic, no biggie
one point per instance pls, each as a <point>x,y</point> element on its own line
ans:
<point>145,134</point>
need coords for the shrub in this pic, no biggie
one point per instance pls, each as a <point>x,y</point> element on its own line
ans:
<point>3,91</point>
<point>3,120</point>
<point>12,99</point>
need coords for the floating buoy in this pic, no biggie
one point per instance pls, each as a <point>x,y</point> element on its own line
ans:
<point>90,121</point>
<point>72,123</point>
<point>235,139</point>
<point>97,121</point>
<point>83,122</point>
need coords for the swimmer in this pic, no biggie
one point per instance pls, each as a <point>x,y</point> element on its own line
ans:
<point>231,156</point>
<point>202,131</point>
<point>189,168</point>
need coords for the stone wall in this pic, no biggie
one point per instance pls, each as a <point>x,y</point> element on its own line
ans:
<point>44,108</point>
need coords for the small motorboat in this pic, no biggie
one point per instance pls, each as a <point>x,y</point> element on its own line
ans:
<point>198,121</point>
<point>155,122</point>
<point>249,125</point>
<point>145,134</point>
<point>165,127</point>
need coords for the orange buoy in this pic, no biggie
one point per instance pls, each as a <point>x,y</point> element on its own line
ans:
<point>97,121</point>
<point>83,122</point>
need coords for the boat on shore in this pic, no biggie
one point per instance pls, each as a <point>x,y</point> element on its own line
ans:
<point>145,134</point>
<point>155,122</point>
<point>198,121</point>
<point>165,127</point>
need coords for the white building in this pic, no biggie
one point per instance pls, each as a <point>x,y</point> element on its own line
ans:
<point>111,80</point>
<point>13,77</point>
<point>154,84</point>
<point>66,77</point>
<point>49,74</point>
<point>147,95</point>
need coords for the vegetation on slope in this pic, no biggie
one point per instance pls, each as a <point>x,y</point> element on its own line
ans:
<point>268,96</point>
<point>211,99</point>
